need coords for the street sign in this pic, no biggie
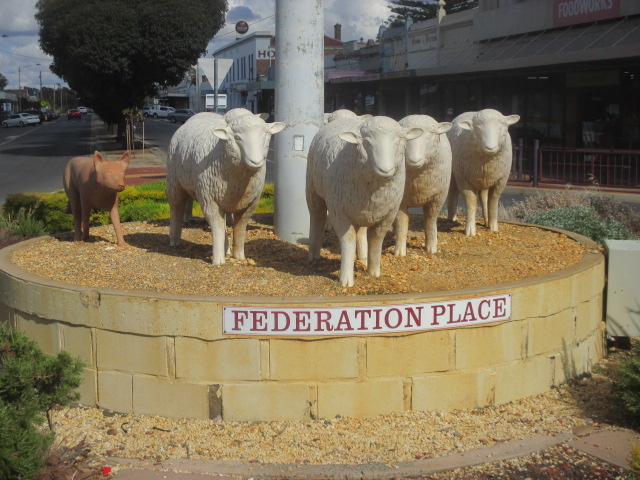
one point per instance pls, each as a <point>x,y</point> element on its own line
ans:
<point>242,27</point>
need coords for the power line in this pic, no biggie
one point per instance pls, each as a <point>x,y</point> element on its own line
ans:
<point>27,56</point>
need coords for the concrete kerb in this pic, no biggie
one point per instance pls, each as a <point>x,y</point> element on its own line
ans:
<point>613,446</point>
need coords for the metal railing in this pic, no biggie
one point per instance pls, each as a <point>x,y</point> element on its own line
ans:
<point>575,166</point>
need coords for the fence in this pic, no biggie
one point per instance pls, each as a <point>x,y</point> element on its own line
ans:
<point>575,166</point>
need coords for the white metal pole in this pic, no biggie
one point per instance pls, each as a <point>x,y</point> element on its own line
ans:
<point>299,102</point>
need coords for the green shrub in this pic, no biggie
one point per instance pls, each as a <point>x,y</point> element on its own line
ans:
<point>31,384</point>
<point>627,383</point>
<point>147,201</point>
<point>141,211</point>
<point>584,220</point>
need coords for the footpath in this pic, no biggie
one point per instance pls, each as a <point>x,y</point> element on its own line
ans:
<point>612,446</point>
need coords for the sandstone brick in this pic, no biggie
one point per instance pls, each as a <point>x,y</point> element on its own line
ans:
<point>210,361</point>
<point>267,401</point>
<point>115,391</point>
<point>45,333</point>
<point>78,341</point>
<point>550,334</point>
<point>410,355</point>
<point>489,345</point>
<point>580,359</point>
<point>131,353</point>
<point>88,390</point>
<point>159,396</point>
<point>314,360</point>
<point>449,391</point>
<point>589,317</point>
<point>522,379</point>
<point>362,399</point>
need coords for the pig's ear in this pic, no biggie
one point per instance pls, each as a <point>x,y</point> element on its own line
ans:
<point>97,158</point>
<point>126,157</point>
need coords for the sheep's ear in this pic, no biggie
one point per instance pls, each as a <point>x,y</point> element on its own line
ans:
<point>444,127</point>
<point>411,133</point>
<point>465,125</point>
<point>263,116</point>
<point>223,133</point>
<point>511,119</point>
<point>351,137</point>
<point>275,127</point>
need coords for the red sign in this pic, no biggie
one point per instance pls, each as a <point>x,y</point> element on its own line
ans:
<point>242,27</point>
<point>572,12</point>
<point>365,320</point>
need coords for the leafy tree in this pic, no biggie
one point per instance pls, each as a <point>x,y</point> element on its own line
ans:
<point>423,10</point>
<point>455,6</point>
<point>114,53</point>
<point>3,82</point>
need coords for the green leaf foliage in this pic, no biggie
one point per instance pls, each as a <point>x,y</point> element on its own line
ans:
<point>627,384</point>
<point>31,384</point>
<point>583,220</point>
<point>114,53</point>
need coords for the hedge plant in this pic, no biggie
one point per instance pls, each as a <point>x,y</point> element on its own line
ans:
<point>147,201</point>
<point>31,385</point>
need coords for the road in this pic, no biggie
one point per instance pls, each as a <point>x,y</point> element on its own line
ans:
<point>32,159</point>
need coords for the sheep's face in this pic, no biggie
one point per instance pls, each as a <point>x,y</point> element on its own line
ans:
<point>381,142</point>
<point>423,149</point>
<point>248,137</point>
<point>490,127</point>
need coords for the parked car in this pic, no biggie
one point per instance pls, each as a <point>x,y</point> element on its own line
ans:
<point>51,115</point>
<point>147,111</point>
<point>74,113</point>
<point>20,120</point>
<point>180,115</point>
<point>83,110</point>
<point>41,116</point>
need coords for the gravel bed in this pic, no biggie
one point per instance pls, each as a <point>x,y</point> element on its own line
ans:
<point>277,268</point>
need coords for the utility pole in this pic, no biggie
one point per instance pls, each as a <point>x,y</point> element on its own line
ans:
<point>299,103</point>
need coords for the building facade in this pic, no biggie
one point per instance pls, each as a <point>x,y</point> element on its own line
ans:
<point>569,68</point>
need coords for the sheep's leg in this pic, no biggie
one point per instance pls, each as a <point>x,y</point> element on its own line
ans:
<point>493,201</point>
<point>188,210</point>
<point>484,195</point>
<point>375,236</point>
<point>347,237</point>
<point>318,217</point>
<point>401,227</point>
<point>361,244</point>
<point>216,219</point>
<point>452,200</point>
<point>177,204</point>
<point>240,221</point>
<point>471,205</point>
<point>430,218</point>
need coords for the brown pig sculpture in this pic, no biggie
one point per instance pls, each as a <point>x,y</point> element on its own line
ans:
<point>94,183</point>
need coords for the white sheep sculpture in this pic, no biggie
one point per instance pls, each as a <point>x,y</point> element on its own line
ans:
<point>356,173</point>
<point>481,162</point>
<point>343,113</point>
<point>428,163</point>
<point>222,165</point>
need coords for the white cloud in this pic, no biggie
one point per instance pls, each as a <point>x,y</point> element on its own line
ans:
<point>359,19</point>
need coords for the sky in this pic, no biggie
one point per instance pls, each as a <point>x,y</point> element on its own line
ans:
<point>20,49</point>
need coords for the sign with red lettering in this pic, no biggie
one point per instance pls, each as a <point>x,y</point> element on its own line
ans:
<point>572,12</point>
<point>365,320</point>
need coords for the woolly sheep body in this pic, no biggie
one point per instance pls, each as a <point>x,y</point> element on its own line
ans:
<point>481,162</point>
<point>356,173</point>
<point>428,162</point>
<point>222,166</point>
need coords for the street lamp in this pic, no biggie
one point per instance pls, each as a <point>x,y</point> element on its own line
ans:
<point>20,84</point>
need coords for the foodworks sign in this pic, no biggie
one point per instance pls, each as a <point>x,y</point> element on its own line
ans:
<point>571,12</point>
<point>365,320</point>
